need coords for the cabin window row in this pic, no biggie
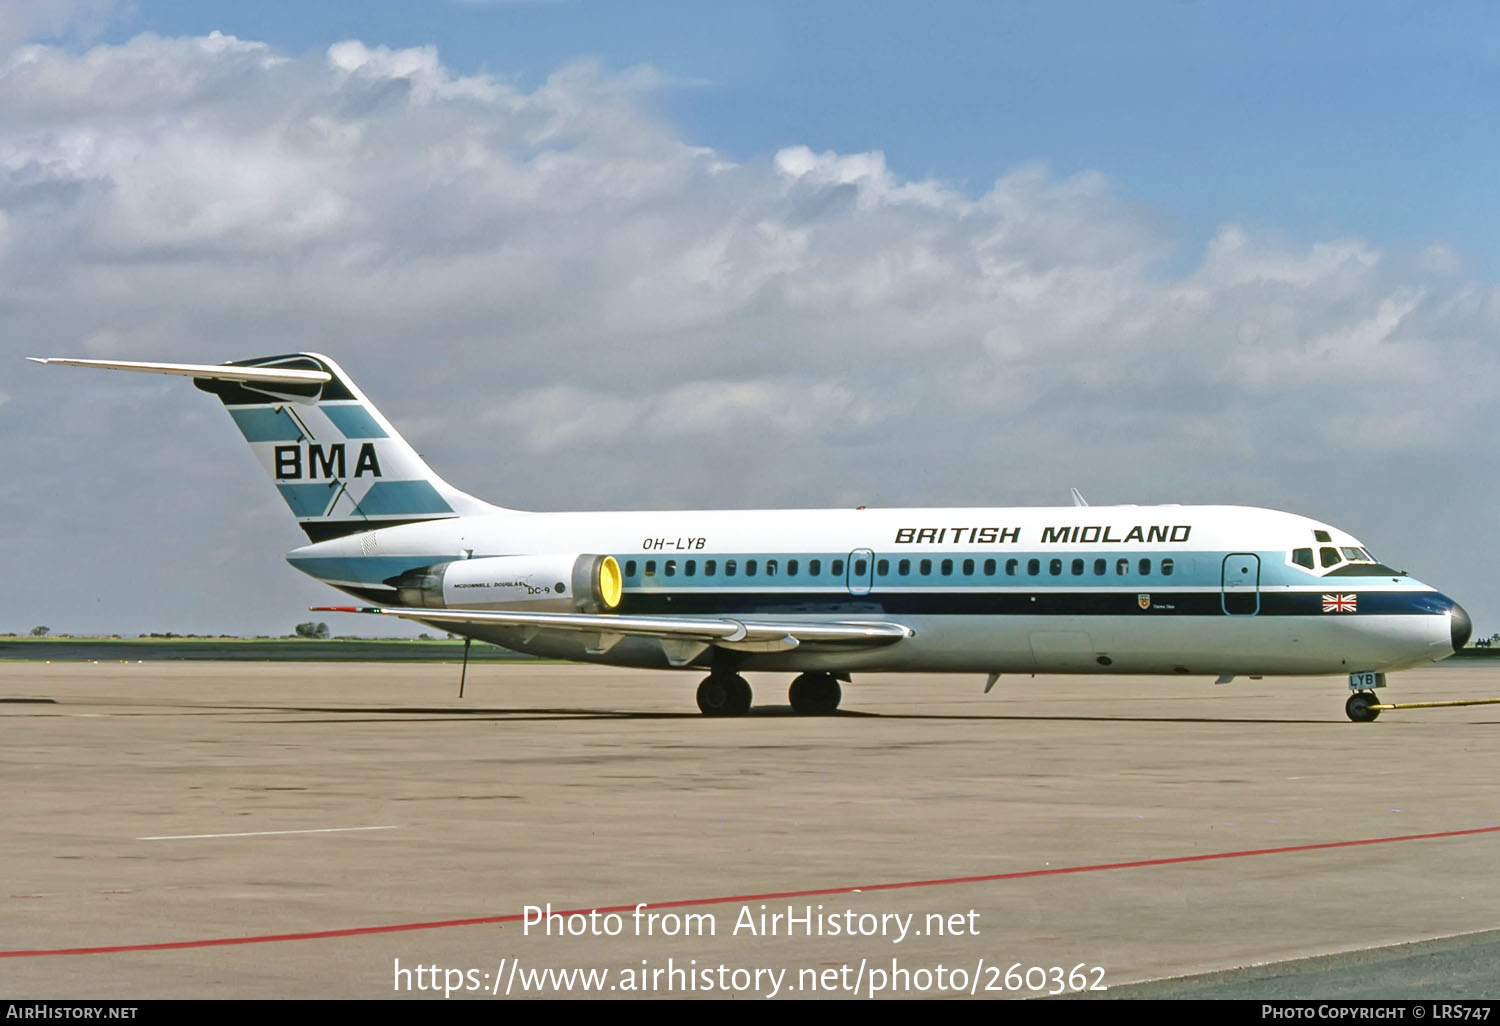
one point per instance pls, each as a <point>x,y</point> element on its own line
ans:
<point>732,567</point>
<point>1055,567</point>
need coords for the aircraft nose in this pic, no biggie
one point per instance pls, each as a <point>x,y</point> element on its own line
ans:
<point>1461,626</point>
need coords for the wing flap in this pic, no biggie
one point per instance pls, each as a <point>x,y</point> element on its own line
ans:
<point>744,634</point>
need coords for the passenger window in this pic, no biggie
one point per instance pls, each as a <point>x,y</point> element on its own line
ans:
<point>1166,568</point>
<point>650,568</point>
<point>1077,568</point>
<point>1055,567</point>
<point>1033,567</point>
<point>1303,557</point>
<point>749,568</point>
<point>815,567</point>
<point>770,568</point>
<point>883,567</point>
<point>861,568</point>
<point>1010,567</point>
<point>630,568</point>
<point>791,568</point>
<point>1122,567</point>
<point>730,566</point>
<point>838,568</point>
<point>1100,565</point>
<point>904,567</point>
<point>989,568</point>
<point>1330,556</point>
<point>968,568</point>
<point>925,567</point>
<point>671,568</point>
<point>947,568</point>
<point>691,569</point>
<point>710,568</point>
<point>1145,567</point>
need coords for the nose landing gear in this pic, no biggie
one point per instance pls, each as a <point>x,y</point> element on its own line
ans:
<point>1361,707</point>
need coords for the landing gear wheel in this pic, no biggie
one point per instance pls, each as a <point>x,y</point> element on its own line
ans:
<point>815,694</point>
<point>724,694</point>
<point>1358,707</point>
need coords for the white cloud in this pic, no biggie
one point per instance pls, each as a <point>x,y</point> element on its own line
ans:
<point>565,303</point>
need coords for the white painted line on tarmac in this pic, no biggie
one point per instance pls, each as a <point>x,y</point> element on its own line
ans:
<point>263,833</point>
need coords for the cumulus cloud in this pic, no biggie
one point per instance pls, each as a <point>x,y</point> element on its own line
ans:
<point>565,303</point>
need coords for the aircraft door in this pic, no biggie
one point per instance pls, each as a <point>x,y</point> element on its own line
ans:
<point>1241,583</point>
<point>861,571</point>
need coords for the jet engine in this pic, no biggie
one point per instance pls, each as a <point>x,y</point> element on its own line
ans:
<point>566,583</point>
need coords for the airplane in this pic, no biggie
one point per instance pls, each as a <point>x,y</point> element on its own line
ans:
<point>1220,591</point>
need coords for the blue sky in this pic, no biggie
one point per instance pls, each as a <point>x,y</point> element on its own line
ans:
<point>579,252</point>
<point>1372,119</point>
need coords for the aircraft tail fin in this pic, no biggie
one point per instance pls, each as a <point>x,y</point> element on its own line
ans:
<point>337,462</point>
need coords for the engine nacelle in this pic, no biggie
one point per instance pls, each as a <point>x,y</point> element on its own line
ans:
<point>567,583</point>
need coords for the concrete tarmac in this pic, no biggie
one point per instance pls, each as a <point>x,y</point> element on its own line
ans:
<point>236,830</point>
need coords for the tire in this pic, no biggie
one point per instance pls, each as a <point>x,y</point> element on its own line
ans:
<point>726,694</point>
<point>715,696</point>
<point>815,694</point>
<point>741,696</point>
<point>1358,707</point>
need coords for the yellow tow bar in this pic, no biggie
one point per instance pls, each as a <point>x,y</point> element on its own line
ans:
<point>1362,706</point>
<point>1382,707</point>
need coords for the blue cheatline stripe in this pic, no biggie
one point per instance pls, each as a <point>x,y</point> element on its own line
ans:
<point>389,498</point>
<point>266,424</point>
<point>354,421</point>
<point>309,500</point>
<point>1017,602</point>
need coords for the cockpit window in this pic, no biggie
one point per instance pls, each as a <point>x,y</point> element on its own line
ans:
<point>1344,561</point>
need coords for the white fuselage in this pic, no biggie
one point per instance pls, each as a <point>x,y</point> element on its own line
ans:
<point>1096,589</point>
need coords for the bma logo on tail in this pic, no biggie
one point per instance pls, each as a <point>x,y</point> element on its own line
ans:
<point>321,464</point>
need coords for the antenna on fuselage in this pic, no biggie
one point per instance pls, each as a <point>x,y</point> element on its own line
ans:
<point>1078,499</point>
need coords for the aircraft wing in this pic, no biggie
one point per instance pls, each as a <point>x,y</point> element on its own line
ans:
<point>683,638</point>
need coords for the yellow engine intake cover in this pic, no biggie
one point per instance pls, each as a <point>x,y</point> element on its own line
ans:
<point>611,582</point>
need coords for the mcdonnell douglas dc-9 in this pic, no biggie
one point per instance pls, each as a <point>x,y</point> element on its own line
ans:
<point>1187,590</point>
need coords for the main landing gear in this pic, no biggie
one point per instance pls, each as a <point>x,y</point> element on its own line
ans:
<point>725,693</point>
<point>815,694</point>
<point>1362,706</point>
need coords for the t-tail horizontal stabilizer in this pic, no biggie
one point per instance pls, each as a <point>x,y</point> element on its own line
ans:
<point>337,463</point>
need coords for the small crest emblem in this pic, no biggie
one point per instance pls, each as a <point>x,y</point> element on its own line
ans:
<point>1143,600</point>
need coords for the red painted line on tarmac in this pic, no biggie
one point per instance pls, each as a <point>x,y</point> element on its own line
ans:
<point>769,896</point>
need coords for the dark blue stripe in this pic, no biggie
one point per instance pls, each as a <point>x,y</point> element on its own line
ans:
<point>1015,602</point>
